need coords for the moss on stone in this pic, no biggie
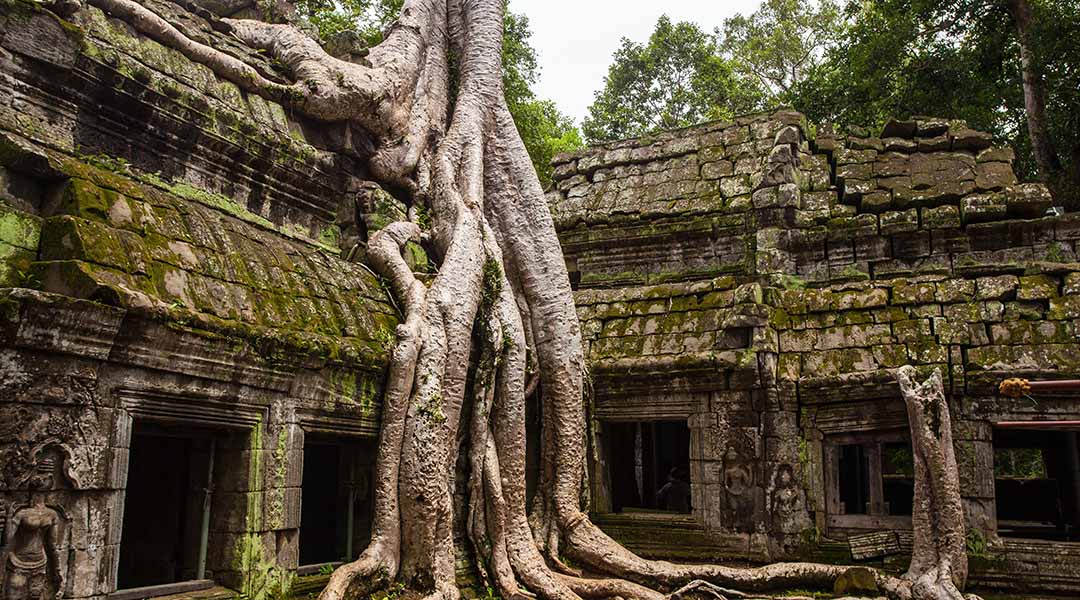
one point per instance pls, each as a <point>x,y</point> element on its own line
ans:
<point>19,229</point>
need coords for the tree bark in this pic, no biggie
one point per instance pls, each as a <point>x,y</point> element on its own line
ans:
<point>1046,156</point>
<point>502,285</point>
<point>938,569</point>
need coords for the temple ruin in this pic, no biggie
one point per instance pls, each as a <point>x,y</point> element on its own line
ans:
<point>192,351</point>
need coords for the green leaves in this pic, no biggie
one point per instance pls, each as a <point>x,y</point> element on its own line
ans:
<point>780,43</point>
<point>544,130</point>
<point>955,59</point>
<point>684,75</point>
<point>368,18</point>
<point>676,79</point>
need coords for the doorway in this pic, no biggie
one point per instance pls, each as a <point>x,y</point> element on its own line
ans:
<point>644,458</point>
<point>163,505</point>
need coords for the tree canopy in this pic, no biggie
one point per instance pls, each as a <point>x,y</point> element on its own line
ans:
<point>781,42</point>
<point>957,59</point>
<point>675,79</point>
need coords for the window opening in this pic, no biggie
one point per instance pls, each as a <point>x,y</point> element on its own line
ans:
<point>319,515</point>
<point>1036,479</point>
<point>898,478</point>
<point>854,480</point>
<point>649,465</point>
<point>870,478</point>
<point>336,499</point>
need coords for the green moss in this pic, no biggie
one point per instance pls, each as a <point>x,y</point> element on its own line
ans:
<point>276,506</point>
<point>432,409</point>
<point>263,579</point>
<point>15,267</point>
<point>330,236</point>
<point>218,201</point>
<point>492,284</point>
<point>852,273</point>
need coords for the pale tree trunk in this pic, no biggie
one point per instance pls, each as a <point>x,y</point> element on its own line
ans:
<point>502,285</point>
<point>1046,156</point>
<point>938,569</point>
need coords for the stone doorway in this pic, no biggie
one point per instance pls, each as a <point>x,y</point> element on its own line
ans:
<point>336,499</point>
<point>165,529</point>
<point>643,458</point>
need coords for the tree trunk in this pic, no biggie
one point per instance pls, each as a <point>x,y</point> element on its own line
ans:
<point>938,569</point>
<point>1046,156</point>
<point>502,285</point>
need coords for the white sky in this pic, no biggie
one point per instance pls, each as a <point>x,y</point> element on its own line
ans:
<point>575,39</point>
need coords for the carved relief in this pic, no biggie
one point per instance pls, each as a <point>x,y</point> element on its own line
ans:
<point>35,531</point>
<point>59,428</point>
<point>738,491</point>
<point>786,505</point>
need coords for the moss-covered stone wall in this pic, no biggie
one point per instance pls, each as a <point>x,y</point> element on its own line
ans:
<point>171,263</point>
<point>857,254</point>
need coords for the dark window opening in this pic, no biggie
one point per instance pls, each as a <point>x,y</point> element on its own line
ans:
<point>336,499</point>
<point>854,480</point>
<point>649,465</point>
<point>870,476</point>
<point>163,506</point>
<point>1037,483</point>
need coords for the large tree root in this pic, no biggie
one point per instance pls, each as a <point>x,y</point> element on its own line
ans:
<point>502,285</point>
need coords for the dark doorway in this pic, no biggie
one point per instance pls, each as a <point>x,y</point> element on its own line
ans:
<point>163,502</point>
<point>854,480</point>
<point>1037,483</point>
<point>319,505</point>
<point>336,498</point>
<point>645,457</point>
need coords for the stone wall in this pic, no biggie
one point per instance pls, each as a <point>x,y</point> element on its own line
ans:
<point>761,279</point>
<point>171,262</point>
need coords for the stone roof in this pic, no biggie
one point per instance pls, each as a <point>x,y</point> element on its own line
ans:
<point>840,257</point>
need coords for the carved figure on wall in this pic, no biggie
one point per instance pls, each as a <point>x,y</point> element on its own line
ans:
<point>786,504</point>
<point>33,539</point>
<point>738,488</point>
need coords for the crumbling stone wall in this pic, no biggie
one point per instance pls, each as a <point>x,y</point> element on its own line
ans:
<point>173,252</point>
<point>763,277</point>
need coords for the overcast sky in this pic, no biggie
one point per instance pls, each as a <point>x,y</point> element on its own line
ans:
<point>576,38</point>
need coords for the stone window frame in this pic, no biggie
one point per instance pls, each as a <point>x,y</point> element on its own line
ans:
<point>329,427</point>
<point>644,407</point>
<point>823,425</point>
<point>169,409</point>
<point>876,517</point>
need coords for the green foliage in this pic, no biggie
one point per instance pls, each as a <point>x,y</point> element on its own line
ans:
<point>976,544</point>
<point>543,129</point>
<point>781,42</point>
<point>492,285</point>
<point>393,592</point>
<point>899,460</point>
<point>676,79</point>
<point>1019,463</point>
<point>326,569</point>
<point>368,18</point>
<point>545,132</point>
